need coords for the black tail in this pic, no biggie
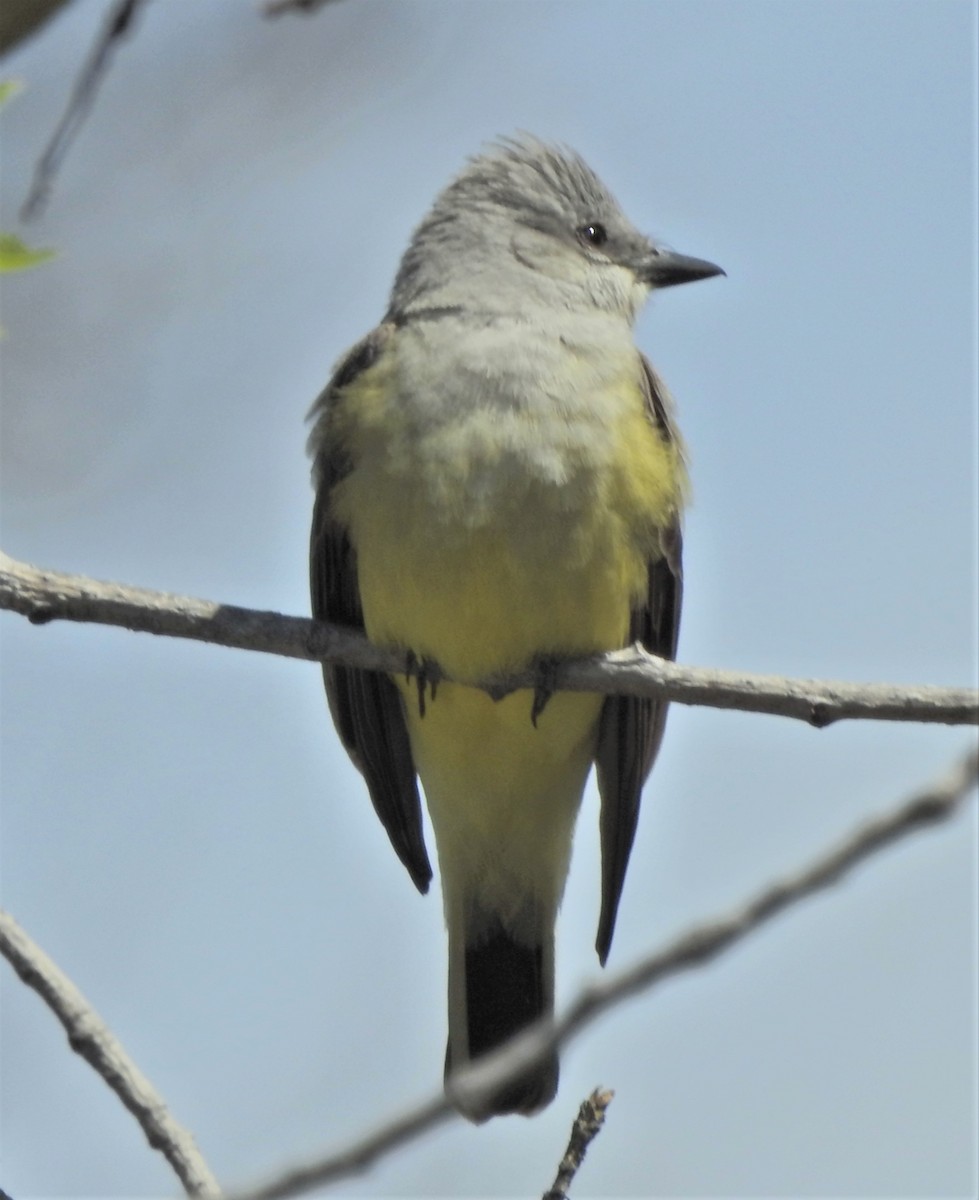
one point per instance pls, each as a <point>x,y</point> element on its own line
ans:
<point>497,987</point>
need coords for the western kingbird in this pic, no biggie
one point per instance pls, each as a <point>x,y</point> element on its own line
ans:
<point>499,483</point>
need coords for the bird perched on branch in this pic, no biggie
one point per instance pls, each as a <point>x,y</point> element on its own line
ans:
<point>499,483</point>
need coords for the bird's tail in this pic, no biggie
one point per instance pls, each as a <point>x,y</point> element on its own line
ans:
<point>499,984</point>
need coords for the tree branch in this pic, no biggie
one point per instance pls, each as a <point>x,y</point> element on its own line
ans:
<point>44,596</point>
<point>120,21</point>
<point>89,1036</point>
<point>276,8</point>
<point>931,805</point>
<point>587,1125</point>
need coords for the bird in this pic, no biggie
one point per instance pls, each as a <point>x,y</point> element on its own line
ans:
<point>499,485</point>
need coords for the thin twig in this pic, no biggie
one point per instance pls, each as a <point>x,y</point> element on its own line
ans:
<point>44,596</point>
<point>277,8</point>
<point>586,1127</point>
<point>931,805</point>
<point>119,23</point>
<point>89,1036</point>
<point>357,1157</point>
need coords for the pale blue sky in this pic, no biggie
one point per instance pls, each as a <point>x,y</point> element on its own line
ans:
<point>181,830</point>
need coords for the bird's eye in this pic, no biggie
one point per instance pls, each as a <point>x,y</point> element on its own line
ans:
<point>594,233</point>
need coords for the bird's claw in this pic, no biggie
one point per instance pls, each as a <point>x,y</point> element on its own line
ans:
<point>426,674</point>
<point>545,687</point>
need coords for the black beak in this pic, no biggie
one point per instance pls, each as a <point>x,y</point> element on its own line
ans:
<point>664,268</point>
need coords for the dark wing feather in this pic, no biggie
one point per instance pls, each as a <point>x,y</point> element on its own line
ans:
<point>632,727</point>
<point>366,705</point>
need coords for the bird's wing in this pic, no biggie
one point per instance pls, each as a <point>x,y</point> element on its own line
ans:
<point>366,705</point>
<point>632,727</point>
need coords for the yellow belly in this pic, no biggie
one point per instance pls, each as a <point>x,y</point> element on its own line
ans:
<point>502,792</point>
<point>542,568</point>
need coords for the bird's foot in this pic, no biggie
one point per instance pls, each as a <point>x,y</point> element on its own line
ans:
<point>546,668</point>
<point>426,674</point>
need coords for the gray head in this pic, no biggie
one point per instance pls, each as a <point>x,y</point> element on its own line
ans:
<point>526,224</point>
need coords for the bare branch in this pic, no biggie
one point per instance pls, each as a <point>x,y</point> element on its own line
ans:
<point>44,596</point>
<point>931,805</point>
<point>276,8</point>
<point>357,1157</point>
<point>89,1036</point>
<point>586,1127</point>
<point>119,23</point>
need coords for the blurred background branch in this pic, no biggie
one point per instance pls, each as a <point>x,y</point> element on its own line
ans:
<point>930,805</point>
<point>90,1037</point>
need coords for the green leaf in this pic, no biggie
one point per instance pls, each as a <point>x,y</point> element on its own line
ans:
<point>8,89</point>
<point>15,256</point>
